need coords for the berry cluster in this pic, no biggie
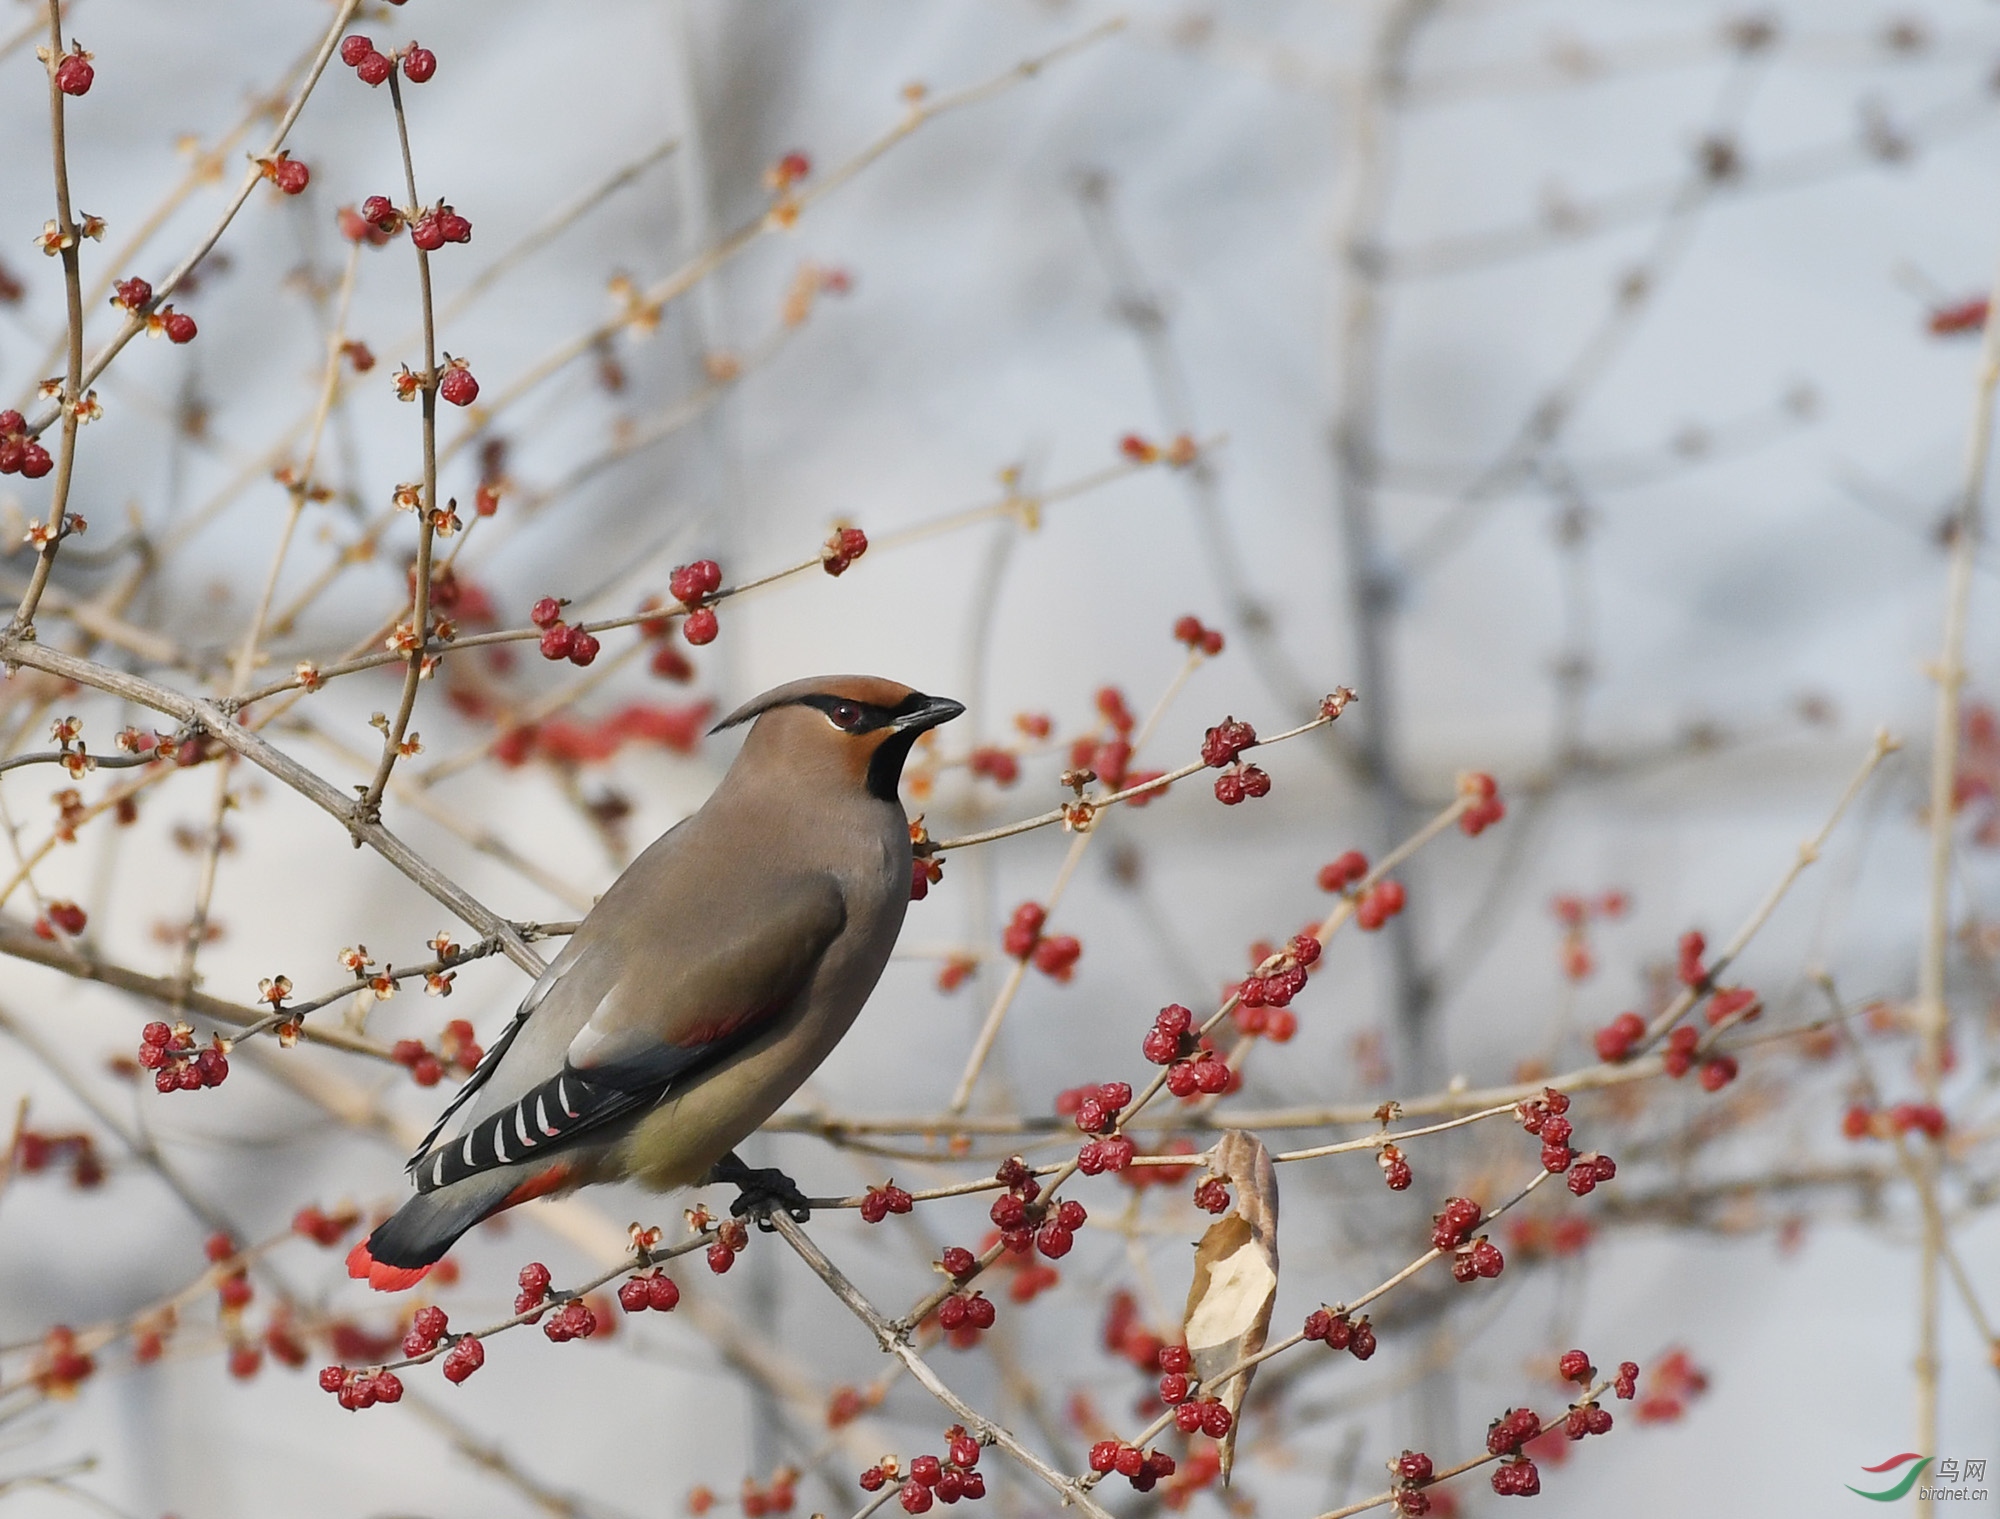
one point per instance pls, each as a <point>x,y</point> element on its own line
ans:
<point>534,1280</point>
<point>732,1237</point>
<point>1174,1363</point>
<point>1547,1117</point>
<point>1193,1067</point>
<point>1683,1044</point>
<point>965,1312</point>
<point>1689,968</point>
<point>1378,905</point>
<point>457,1047</point>
<point>373,67</point>
<point>1486,809</point>
<point>691,585</point>
<point>559,640</point>
<point>19,453</point>
<point>1626,1384</point>
<point>843,546</point>
<point>1734,1004</point>
<point>1355,1336</point>
<point>1277,986</point>
<point>944,1479</point>
<point>1619,1038</point>
<point>426,1330</point>
<point>35,1152</point>
<point>465,1357</point>
<point>1516,1478</point>
<point>361,1389</point>
<point>436,227</point>
<point>1338,875</point>
<point>1190,631</point>
<point>1001,766</point>
<point>1143,1468</point>
<point>1481,1258</point>
<point>1097,1111</point>
<point>63,914</point>
<point>1922,1117</point>
<point>1220,748</point>
<point>1053,955</point>
<point>573,1321</point>
<point>658,1292</point>
<point>232,1288</point>
<point>1412,1470</point>
<point>169,1053</point>
<point>1454,1225</point>
<point>882,1201</point>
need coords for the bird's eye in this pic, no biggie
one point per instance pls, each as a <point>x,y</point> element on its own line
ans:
<point>845,716</point>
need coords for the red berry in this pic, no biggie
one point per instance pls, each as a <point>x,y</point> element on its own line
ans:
<point>1414,1466</point>
<point>1717,1072</point>
<point>1229,788</point>
<point>1627,1383</point>
<point>1054,1240</point>
<point>691,582</point>
<point>720,1258</point>
<point>952,1313</point>
<point>463,1359</point>
<point>871,1480</point>
<point>332,1378</point>
<point>291,176</point>
<point>354,47</point>
<point>700,627</point>
<point>959,1261</point>
<point>1487,1259</point>
<point>926,1469</point>
<point>373,68</point>
<point>1187,1418</point>
<point>1215,1419</point>
<point>1104,1455</point>
<point>556,641</point>
<point>1173,1387</point>
<point>1131,1461</point>
<point>74,74</point>
<point>1575,1366</point>
<point>459,387</point>
<point>419,63</point>
<point>633,1295</point>
<point>179,327</point>
<point>979,1312</point>
<point>427,232</point>
<point>583,647</point>
<point>380,212</point>
<point>545,613</point>
<point>663,1295</point>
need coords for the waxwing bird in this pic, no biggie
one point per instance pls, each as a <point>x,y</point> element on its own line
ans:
<point>703,988</point>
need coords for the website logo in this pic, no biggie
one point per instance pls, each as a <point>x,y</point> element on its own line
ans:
<point>1902,1487</point>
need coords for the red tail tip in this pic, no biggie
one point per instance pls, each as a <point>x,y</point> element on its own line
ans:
<point>363,1267</point>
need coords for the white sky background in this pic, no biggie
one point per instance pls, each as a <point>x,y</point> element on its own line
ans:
<point>979,335</point>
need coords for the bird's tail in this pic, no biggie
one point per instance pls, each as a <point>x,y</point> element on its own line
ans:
<point>403,1247</point>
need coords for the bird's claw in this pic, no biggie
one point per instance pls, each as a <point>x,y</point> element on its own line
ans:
<point>762,1191</point>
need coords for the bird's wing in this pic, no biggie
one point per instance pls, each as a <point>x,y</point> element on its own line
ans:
<point>677,1008</point>
<point>496,1051</point>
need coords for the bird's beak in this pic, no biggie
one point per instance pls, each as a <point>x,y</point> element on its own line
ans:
<point>928,713</point>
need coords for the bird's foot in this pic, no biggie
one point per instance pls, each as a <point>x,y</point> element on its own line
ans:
<point>762,1191</point>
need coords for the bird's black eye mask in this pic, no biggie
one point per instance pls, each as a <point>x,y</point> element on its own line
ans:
<point>851,716</point>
